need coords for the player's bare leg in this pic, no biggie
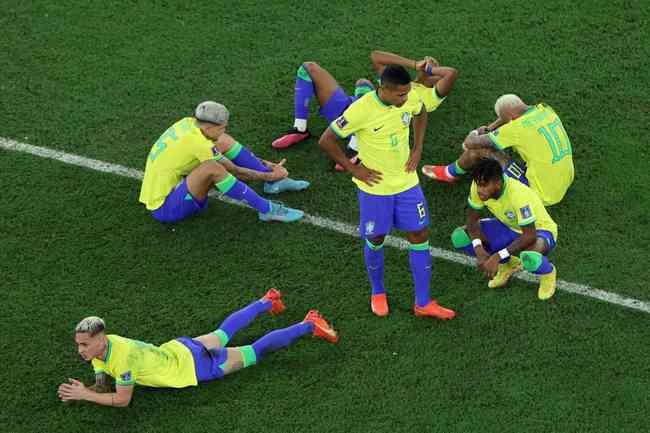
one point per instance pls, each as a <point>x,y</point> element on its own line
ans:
<point>204,177</point>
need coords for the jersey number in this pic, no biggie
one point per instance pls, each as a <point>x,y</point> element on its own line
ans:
<point>160,145</point>
<point>560,146</point>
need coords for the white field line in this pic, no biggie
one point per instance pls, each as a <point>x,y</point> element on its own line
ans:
<point>337,226</point>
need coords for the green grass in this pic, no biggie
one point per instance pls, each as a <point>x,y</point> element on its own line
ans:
<point>104,80</point>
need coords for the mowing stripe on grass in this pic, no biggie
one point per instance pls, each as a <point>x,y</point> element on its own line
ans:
<point>337,226</point>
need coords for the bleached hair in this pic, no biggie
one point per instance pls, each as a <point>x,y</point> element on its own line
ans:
<point>506,104</point>
<point>92,325</point>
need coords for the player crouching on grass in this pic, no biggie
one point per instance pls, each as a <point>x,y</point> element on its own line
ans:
<point>181,362</point>
<point>522,227</point>
<point>194,155</point>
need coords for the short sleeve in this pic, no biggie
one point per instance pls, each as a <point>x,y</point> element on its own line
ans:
<point>473,200</point>
<point>432,100</point>
<point>352,120</point>
<point>504,137</point>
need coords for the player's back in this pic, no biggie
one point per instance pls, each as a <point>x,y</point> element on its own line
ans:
<point>180,149</point>
<point>541,140</point>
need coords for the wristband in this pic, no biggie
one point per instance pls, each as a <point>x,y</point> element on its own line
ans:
<point>476,242</point>
<point>504,254</point>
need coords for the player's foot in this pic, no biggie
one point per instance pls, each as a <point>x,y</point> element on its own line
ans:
<point>290,138</point>
<point>439,173</point>
<point>505,272</point>
<point>432,309</point>
<point>281,213</point>
<point>547,285</point>
<point>286,184</point>
<point>275,296</point>
<point>379,304</point>
<point>354,160</point>
<point>322,329</point>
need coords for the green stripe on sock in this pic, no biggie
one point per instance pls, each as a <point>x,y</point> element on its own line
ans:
<point>225,185</point>
<point>234,150</point>
<point>419,247</point>
<point>532,260</point>
<point>458,169</point>
<point>223,337</point>
<point>373,246</point>
<point>303,74</point>
<point>249,355</point>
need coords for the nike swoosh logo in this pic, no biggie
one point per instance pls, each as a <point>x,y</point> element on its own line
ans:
<point>377,129</point>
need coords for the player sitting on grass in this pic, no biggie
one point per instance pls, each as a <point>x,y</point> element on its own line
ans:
<point>181,362</point>
<point>522,232</point>
<point>535,132</point>
<point>312,79</point>
<point>388,187</point>
<point>194,155</point>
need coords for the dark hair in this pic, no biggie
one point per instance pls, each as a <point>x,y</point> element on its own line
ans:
<point>395,75</point>
<point>486,170</point>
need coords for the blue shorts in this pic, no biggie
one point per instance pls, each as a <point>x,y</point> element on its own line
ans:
<point>336,105</point>
<point>207,363</point>
<point>516,171</point>
<point>179,204</point>
<point>378,214</point>
<point>500,235</point>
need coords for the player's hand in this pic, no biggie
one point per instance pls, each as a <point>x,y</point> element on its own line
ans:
<point>482,130</point>
<point>366,175</point>
<point>277,170</point>
<point>490,266</point>
<point>74,390</point>
<point>414,160</point>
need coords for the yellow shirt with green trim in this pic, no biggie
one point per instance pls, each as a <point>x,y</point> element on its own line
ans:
<point>517,206</point>
<point>382,132</point>
<point>129,362</point>
<point>178,151</point>
<point>541,140</point>
<point>428,95</point>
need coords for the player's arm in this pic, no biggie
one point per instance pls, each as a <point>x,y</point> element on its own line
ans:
<point>523,242</point>
<point>328,142</point>
<point>380,59</point>
<point>473,228</point>
<point>445,78</point>
<point>246,174</point>
<point>419,129</point>
<point>75,390</point>
<point>477,142</point>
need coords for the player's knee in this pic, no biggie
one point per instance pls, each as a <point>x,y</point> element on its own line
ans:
<point>531,260</point>
<point>460,238</point>
<point>310,67</point>
<point>377,241</point>
<point>363,82</point>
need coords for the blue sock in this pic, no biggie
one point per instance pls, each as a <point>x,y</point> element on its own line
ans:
<point>304,92</point>
<point>420,261</point>
<point>455,170</point>
<point>374,255</point>
<point>280,338</point>
<point>240,319</point>
<point>545,267</point>
<point>237,190</point>
<point>243,157</point>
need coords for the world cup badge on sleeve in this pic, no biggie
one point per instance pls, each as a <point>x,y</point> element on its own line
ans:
<point>341,122</point>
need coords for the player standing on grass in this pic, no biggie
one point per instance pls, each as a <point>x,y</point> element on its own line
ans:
<point>388,185</point>
<point>181,362</point>
<point>522,227</point>
<point>312,79</point>
<point>535,132</point>
<point>194,155</point>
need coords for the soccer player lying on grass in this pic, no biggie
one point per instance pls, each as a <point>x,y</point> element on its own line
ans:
<point>183,361</point>
<point>388,186</point>
<point>522,227</point>
<point>535,132</point>
<point>194,155</point>
<point>312,79</point>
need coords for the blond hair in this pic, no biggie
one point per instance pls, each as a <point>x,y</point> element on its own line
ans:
<point>92,325</point>
<point>506,104</point>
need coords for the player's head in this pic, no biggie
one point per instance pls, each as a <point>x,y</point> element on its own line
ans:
<point>395,85</point>
<point>488,175</point>
<point>509,107</point>
<point>213,119</point>
<point>90,338</point>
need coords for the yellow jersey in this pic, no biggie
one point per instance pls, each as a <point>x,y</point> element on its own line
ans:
<point>133,362</point>
<point>517,206</point>
<point>541,140</point>
<point>428,95</point>
<point>178,151</point>
<point>382,132</point>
